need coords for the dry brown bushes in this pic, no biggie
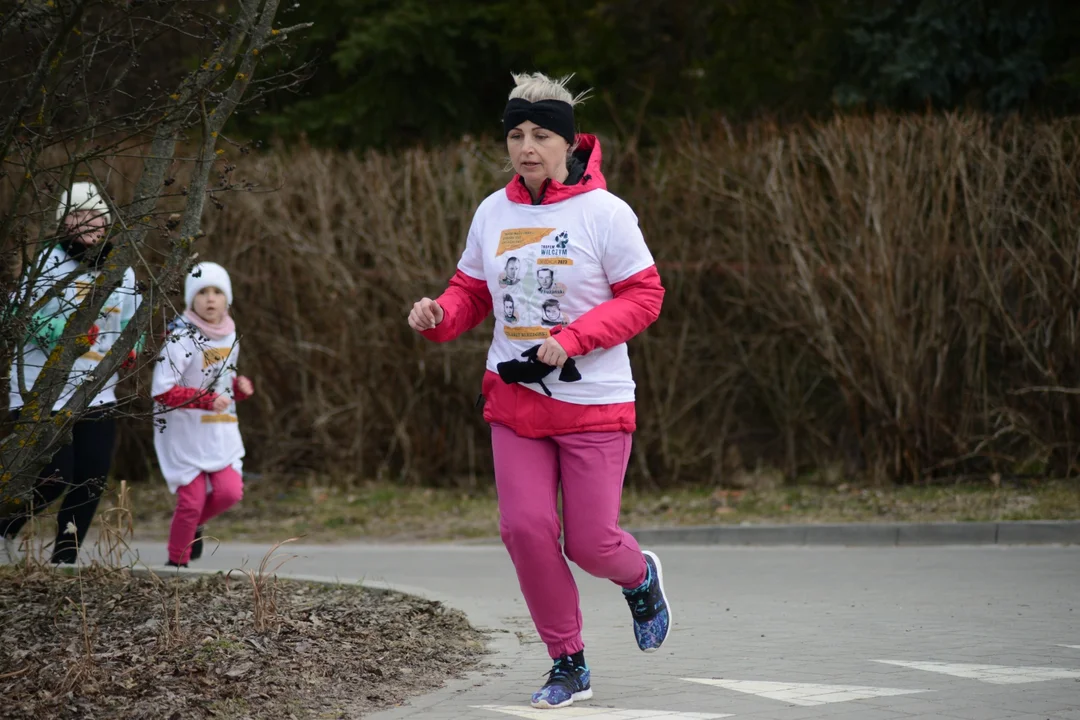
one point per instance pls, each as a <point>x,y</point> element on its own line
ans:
<point>895,296</point>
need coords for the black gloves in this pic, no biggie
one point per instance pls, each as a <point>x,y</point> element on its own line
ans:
<point>534,371</point>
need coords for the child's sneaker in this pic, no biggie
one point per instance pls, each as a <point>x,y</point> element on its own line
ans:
<point>176,565</point>
<point>568,681</point>
<point>649,607</point>
<point>196,547</point>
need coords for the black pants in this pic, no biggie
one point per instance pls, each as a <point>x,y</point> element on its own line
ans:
<point>82,469</point>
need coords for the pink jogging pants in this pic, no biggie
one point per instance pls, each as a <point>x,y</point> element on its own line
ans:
<point>194,507</point>
<point>590,468</point>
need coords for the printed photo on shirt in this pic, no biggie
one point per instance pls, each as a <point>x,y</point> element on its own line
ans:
<point>551,314</point>
<point>546,284</point>
<point>509,309</point>
<point>511,274</point>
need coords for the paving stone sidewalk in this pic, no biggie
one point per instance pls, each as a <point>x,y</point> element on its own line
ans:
<point>953,633</point>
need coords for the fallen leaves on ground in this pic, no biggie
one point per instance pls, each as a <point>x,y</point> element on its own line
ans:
<point>116,645</point>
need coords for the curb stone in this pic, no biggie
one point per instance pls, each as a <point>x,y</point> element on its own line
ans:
<point>1033,532</point>
<point>1040,532</point>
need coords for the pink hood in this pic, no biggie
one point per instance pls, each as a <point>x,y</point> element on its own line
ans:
<point>552,191</point>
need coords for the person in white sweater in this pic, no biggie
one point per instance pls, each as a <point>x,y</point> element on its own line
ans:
<point>68,270</point>
<point>582,283</point>
<point>196,387</point>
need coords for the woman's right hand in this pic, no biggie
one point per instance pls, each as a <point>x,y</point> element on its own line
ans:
<point>222,403</point>
<point>425,315</point>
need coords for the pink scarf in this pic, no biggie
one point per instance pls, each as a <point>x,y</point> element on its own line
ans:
<point>215,332</point>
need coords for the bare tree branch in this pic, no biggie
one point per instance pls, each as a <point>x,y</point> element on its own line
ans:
<point>56,45</point>
<point>76,129</point>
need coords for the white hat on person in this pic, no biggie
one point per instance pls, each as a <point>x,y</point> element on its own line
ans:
<point>207,274</point>
<point>82,196</point>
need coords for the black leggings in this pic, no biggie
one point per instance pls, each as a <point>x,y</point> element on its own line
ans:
<point>82,469</point>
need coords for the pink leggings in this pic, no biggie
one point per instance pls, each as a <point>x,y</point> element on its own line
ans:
<point>194,507</point>
<point>590,468</point>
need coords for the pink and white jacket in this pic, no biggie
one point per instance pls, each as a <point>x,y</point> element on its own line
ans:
<point>574,266</point>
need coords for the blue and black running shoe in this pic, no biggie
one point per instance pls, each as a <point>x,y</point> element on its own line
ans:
<point>568,681</point>
<point>649,607</point>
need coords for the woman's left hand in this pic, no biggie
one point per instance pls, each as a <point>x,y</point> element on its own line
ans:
<point>552,353</point>
<point>245,386</point>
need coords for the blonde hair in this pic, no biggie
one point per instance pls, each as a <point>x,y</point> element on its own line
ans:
<point>537,86</point>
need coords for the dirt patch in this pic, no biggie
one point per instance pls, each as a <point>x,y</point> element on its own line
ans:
<point>110,644</point>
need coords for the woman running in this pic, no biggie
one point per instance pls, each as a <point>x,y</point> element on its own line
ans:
<point>584,283</point>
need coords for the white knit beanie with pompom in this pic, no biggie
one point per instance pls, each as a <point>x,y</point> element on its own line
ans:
<point>207,274</point>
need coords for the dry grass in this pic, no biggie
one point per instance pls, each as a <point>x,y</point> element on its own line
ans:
<point>328,512</point>
<point>895,295</point>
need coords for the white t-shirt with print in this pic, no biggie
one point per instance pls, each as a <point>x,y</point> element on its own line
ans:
<point>190,441</point>
<point>547,265</point>
<point>117,311</point>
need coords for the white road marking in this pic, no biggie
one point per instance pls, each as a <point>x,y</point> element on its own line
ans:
<point>996,674</point>
<point>597,713</point>
<point>805,694</point>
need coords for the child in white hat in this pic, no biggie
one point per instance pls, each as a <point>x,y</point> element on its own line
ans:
<point>197,439</point>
